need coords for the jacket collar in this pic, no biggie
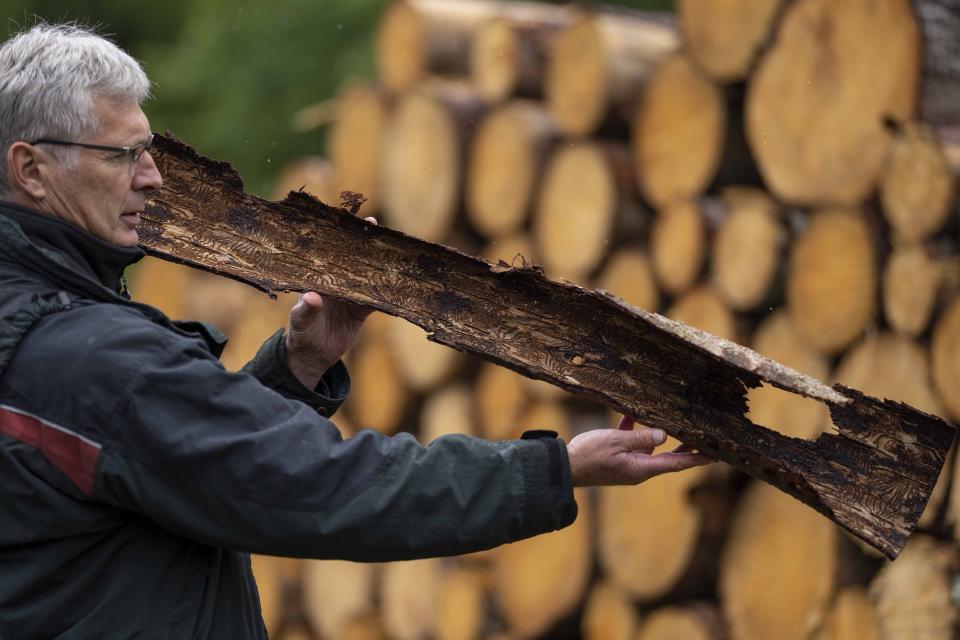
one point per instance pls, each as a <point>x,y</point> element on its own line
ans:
<point>80,252</point>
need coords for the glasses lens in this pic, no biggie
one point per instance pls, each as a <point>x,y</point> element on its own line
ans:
<point>137,152</point>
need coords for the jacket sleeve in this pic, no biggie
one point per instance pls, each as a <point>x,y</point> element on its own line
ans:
<point>220,458</point>
<point>269,366</point>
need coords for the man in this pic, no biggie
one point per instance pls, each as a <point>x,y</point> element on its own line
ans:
<point>137,473</point>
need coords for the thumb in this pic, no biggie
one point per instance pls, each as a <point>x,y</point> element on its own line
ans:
<point>306,310</point>
<point>645,440</point>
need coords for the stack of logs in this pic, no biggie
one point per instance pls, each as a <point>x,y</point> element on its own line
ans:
<point>780,173</point>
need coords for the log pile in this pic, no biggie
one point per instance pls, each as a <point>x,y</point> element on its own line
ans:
<point>780,173</point>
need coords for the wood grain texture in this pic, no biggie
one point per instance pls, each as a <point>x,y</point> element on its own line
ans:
<point>873,477</point>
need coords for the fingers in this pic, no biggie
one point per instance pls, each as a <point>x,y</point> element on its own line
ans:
<point>672,462</point>
<point>626,423</point>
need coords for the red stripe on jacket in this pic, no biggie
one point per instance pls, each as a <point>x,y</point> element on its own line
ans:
<point>70,452</point>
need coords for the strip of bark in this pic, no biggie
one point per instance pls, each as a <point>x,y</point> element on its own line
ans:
<point>874,477</point>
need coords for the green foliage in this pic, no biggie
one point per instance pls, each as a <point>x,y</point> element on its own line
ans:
<point>229,75</point>
<point>240,71</point>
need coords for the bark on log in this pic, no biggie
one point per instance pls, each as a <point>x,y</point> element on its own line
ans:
<point>940,90</point>
<point>895,367</point>
<point>873,477</point>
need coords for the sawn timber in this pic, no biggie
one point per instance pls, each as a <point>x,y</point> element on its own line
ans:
<point>873,477</point>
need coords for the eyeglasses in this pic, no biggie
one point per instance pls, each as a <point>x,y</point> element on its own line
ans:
<point>134,153</point>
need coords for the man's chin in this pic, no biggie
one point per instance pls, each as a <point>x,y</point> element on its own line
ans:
<point>127,238</point>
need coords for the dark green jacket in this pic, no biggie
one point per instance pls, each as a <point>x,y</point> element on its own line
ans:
<point>137,474</point>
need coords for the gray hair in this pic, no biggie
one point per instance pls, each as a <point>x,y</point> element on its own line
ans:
<point>49,78</point>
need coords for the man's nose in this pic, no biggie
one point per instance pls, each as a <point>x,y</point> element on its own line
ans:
<point>146,176</point>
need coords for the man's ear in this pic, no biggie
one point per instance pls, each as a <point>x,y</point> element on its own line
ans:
<point>26,170</point>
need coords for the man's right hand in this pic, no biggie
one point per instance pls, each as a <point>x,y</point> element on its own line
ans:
<point>623,456</point>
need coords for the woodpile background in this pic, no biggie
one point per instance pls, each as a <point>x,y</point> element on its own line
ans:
<point>782,173</point>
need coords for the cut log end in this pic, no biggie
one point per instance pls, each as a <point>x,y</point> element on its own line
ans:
<point>421,167</point>
<point>832,282</point>
<point>578,78</point>
<point>678,246</point>
<point>505,161</point>
<point>678,133</point>
<point>608,614</point>
<point>816,145</point>
<point>401,60</point>
<point>577,209</point>
<point>494,61</point>
<point>913,595</point>
<point>852,617</point>
<point>916,187</point>
<point>946,366</point>
<point>777,570</point>
<point>628,275</point>
<point>911,281</point>
<point>724,36</point>
<point>700,621</point>
<point>540,580</point>
<point>747,249</point>
<point>626,538</point>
